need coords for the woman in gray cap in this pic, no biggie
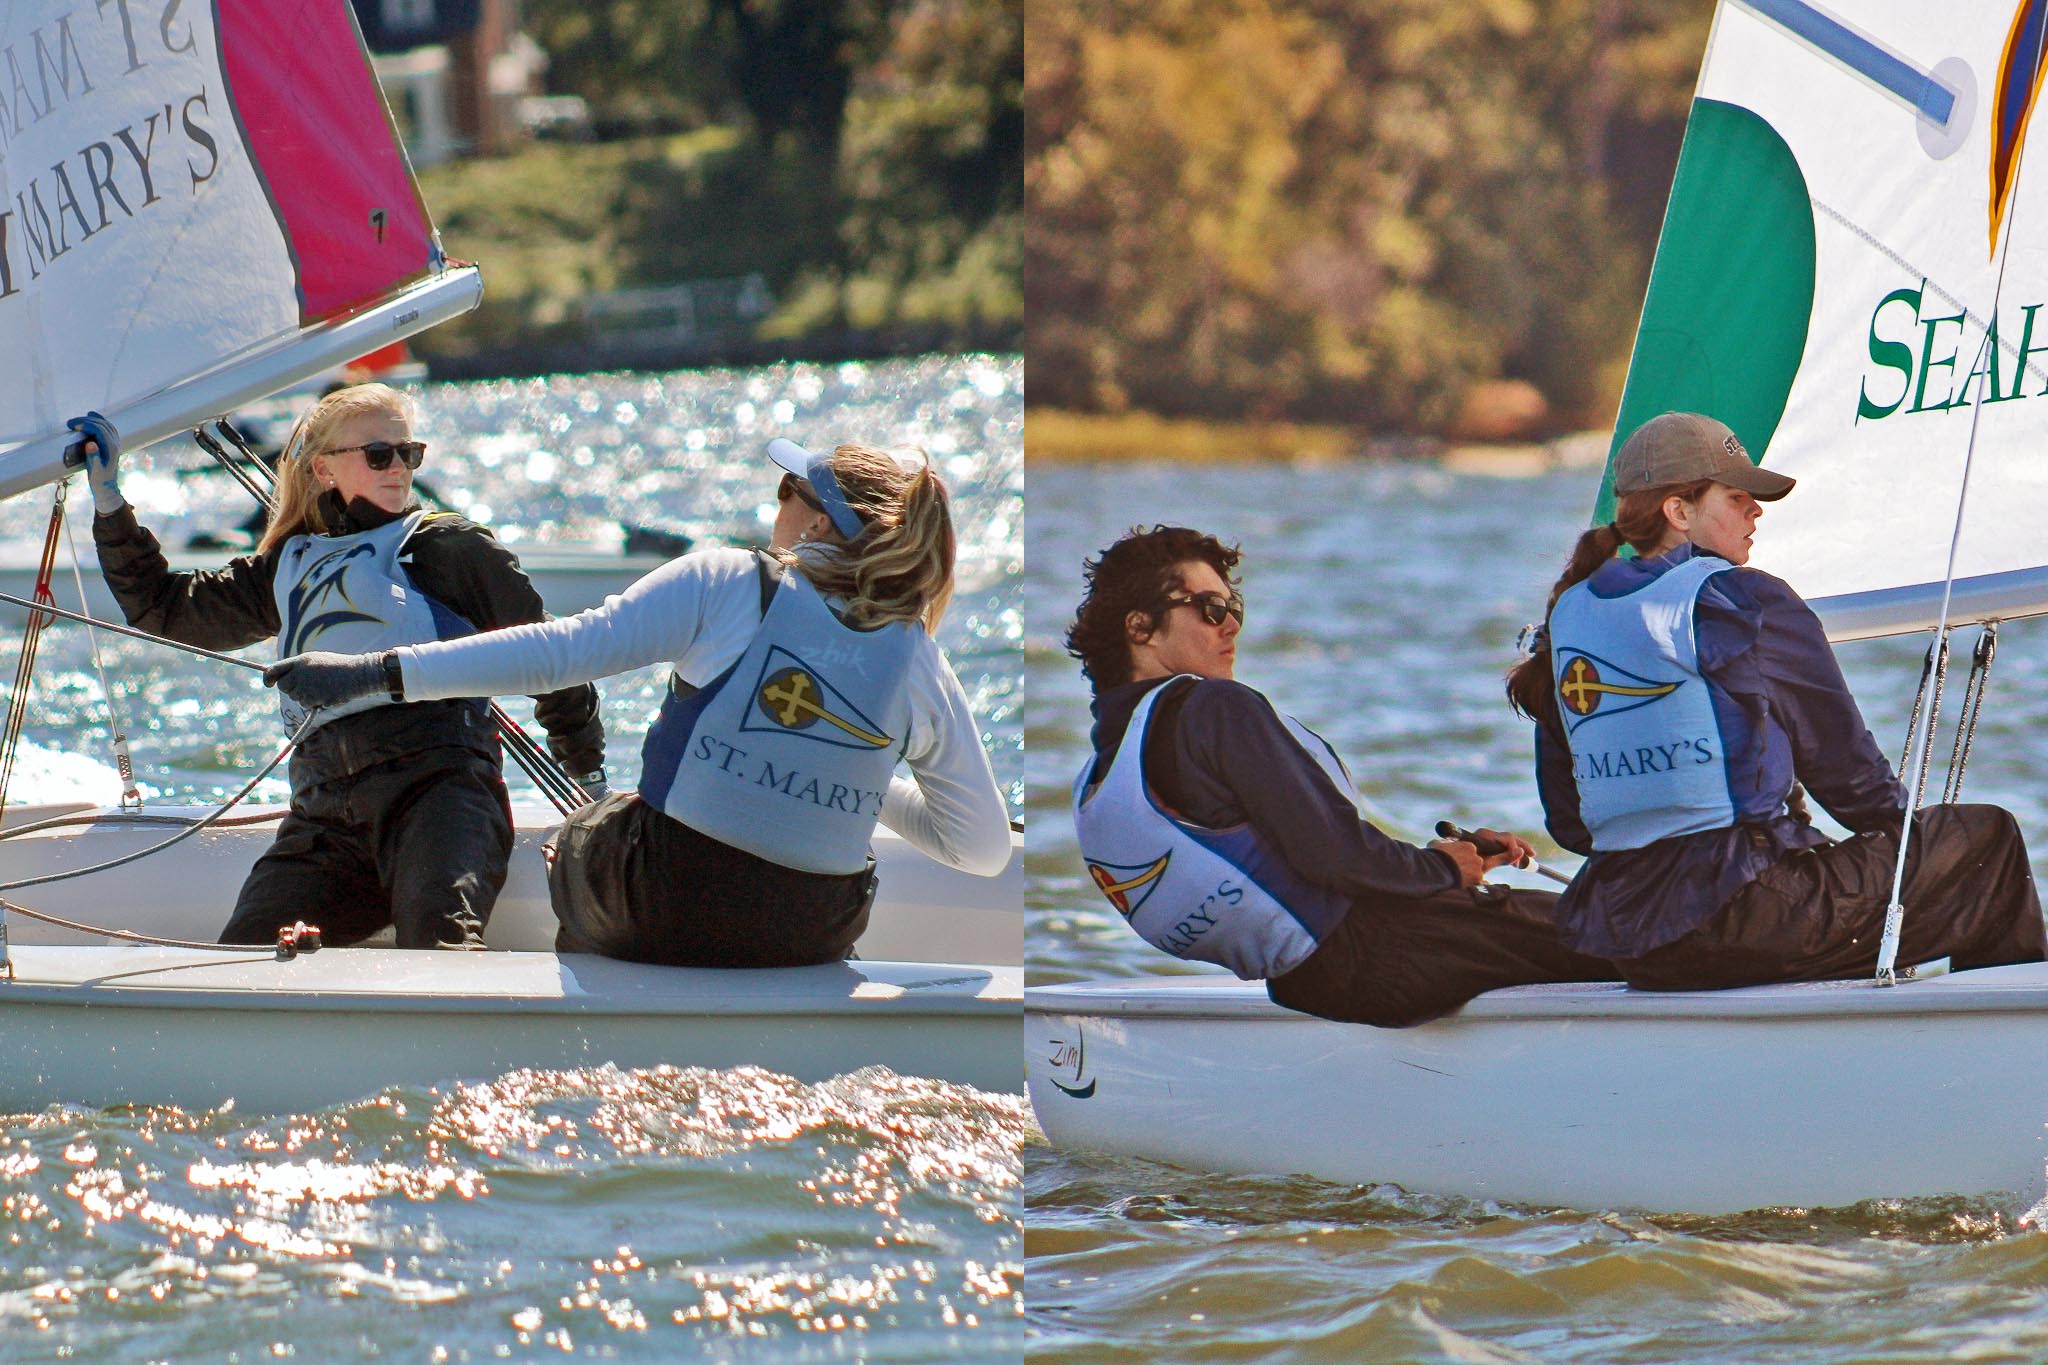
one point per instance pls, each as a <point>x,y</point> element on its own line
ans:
<point>1682,700</point>
<point>799,676</point>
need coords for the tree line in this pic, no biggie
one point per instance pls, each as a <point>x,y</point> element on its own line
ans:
<point>885,135</point>
<point>1370,212</point>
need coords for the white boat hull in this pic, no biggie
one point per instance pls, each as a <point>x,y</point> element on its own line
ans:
<point>924,912</point>
<point>1588,1096</point>
<point>135,1025</point>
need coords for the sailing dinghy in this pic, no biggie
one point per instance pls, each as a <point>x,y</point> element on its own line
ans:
<point>1849,275</point>
<point>198,213</point>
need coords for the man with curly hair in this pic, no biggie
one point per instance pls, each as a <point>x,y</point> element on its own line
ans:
<point>1228,833</point>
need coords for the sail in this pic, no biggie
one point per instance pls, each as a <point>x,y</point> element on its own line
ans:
<point>1852,271</point>
<point>199,204</point>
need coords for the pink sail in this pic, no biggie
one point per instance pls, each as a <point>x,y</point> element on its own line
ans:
<point>199,204</point>
<point>347,205</point>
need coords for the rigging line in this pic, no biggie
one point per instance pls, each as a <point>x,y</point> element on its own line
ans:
<point>1973,704</point>
<point>24,670</point>
<point>124,763</point>
<point>181,835</point>
<point>8,907</point>
<point>81,618</point>
<point>1931,285</point>
<point>241,443</point>
<point>566,793</point>
<point>1922,741</point>
<point>234,467</point>
<point>99,816</point>
<point>1919,700</point>
<point>524,749</point>
<point>1933,717</point>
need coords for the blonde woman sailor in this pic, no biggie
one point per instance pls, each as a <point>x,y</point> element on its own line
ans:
<point>398,811</point>
<point>800,676</point>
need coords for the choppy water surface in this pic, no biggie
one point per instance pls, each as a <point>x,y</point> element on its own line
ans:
<point>645,1215</point>
<point>594,1214</point>
<point>1383,603</point>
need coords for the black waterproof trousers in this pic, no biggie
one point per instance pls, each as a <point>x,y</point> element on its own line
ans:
<point>1396,961</point>
<point>1818,915</point>
<point>629,881</point>
<point>419,842</point>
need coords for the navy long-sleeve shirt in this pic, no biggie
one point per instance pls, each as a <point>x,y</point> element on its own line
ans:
<point>1218,755</point>
<point>1785,714</point>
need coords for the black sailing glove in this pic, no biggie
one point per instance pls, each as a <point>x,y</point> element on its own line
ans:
<point>321,679</point>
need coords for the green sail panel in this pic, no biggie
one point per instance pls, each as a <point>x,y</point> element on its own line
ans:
<point>1731,292</point>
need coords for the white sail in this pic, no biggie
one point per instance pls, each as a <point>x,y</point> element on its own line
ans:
<point>1851,274</point>
<point>199,204</point>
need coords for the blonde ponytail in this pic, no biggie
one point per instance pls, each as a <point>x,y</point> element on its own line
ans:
<point>900,567</point>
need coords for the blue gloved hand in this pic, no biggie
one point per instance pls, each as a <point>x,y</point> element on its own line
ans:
<point>100,441</point>
<point>322,679</point>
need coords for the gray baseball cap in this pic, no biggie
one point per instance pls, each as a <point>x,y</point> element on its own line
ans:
<point>1683,447</point>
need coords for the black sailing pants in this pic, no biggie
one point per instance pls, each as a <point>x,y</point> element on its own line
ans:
<point>1396,961</point>
<point>1818,914</point>
<point>419,842</point>
<point>630,881</point>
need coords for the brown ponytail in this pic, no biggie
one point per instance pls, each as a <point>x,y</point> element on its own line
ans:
<point>1639,523</point>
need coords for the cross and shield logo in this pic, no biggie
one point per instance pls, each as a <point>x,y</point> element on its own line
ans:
<point>793,698</point>
<point>1128,885</point>
<point>1586,683</point>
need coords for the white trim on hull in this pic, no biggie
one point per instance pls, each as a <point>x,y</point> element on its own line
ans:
<point>1588,1096</point>
<point>924,912</point>
<point>127,1025</point>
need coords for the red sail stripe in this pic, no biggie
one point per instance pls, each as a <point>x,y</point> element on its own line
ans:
<point>324,146</point>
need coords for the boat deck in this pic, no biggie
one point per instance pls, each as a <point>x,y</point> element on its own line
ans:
<point>429,981</point>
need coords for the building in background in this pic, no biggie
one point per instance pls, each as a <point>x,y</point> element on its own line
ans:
<point>460,74</point>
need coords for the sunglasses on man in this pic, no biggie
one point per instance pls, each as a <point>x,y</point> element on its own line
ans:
<point>1213,606</point>
<point>377,454</point>
<point>793,487</point>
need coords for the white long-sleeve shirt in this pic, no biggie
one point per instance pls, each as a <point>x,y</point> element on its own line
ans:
<point>698,613</point>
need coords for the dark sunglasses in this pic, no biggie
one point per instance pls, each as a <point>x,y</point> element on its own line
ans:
<point>793,487</point>
<point>1213,606</point>
<point>377,454</point>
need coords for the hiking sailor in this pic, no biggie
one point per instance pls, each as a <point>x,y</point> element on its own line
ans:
<point>1227,833</point>
<point>1679,697</point>
<point>800,676</point>
<point>398,813</point>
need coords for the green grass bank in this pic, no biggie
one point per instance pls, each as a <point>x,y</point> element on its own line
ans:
<point>561,222</point>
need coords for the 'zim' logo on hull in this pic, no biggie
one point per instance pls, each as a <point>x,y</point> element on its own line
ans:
<point>1074,1056</point>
